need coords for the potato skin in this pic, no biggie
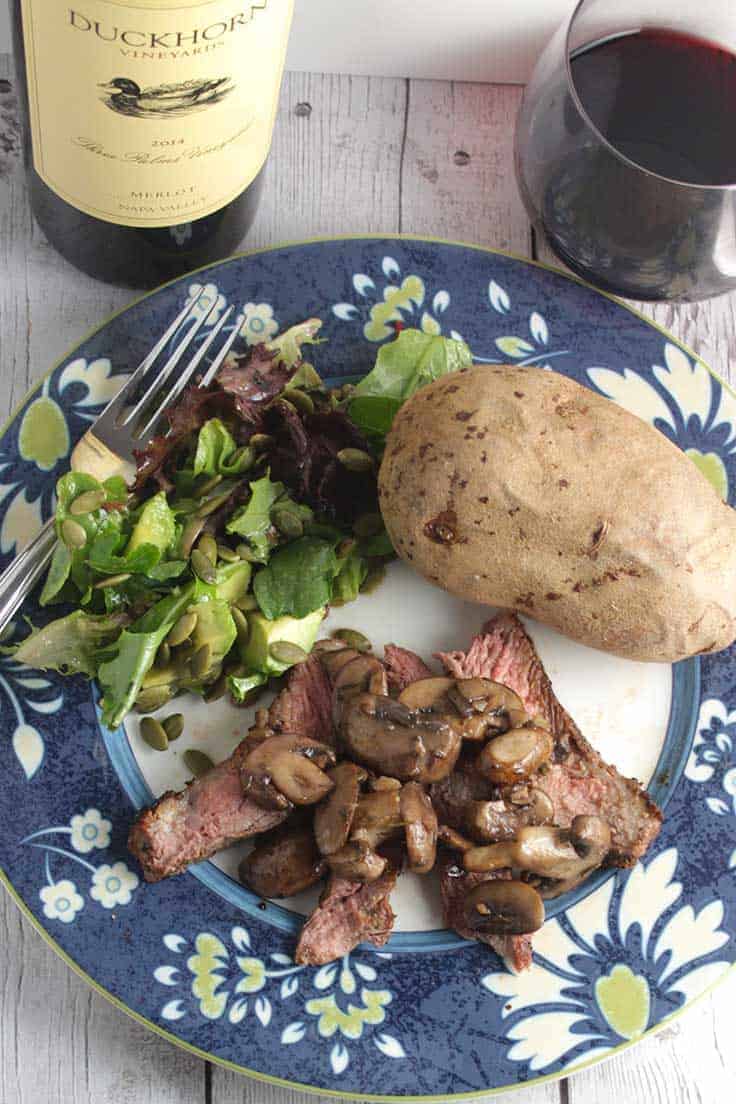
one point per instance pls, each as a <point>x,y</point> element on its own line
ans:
<point>519,488</point>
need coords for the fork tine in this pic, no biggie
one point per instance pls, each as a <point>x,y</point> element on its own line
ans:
<point>134,379</point>
<point>157,383</point>
<point>216,364</point>
<point>184,377</point>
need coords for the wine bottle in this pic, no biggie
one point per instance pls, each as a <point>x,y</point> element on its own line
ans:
<point>147,124</point>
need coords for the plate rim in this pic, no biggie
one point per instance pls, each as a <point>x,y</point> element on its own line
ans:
<point>324,239</point>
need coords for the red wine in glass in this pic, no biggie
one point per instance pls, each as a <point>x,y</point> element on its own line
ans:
<point>626,157</point>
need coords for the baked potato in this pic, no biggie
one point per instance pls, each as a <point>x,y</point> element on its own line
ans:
<point>517,487</point>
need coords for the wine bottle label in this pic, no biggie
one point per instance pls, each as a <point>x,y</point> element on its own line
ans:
<point>152,112</point>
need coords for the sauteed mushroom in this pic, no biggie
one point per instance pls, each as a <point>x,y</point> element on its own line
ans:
<point>377,817</point>
<point>376,731</point>
<point>502,907</point>
<point>450,838</point>
<point>420,826</point>
<point>282,863</point>
<point>475,707</point>
<point>333,818</point>
<point>515,755</point>
<point>357,862</point>
<point>563,854</point>
<point>274,773</point>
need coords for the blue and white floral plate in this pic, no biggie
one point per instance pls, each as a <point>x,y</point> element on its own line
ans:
<point>197,958</point>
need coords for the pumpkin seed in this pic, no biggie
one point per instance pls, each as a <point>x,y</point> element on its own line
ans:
<point>355,460</point>
<point>301,400</point>
<point>203,567</point>
<point>260,441</point>
<point>216,690</point>
<point>241,624</point>
<point>227,555</point>
<point>197,762</point>
<point>373,579</point>
<point>173,726</point>
<point>207,545</point>
<point>190,532</point>
<point>288,523</point>
<point>353,639</point>
<point>283,651</point>
<point>112,580</point>
<point>368,525</point>
<point>201,661</point>
<point>236,669</point>
<point>163,655</point>
<point>242,459</point>
<point>153,697</point>
<point>182,630</point>
<point>213,504</point>
<point>184,652</point>
<point>245,552</point>
<point>87,502</point>
<point>246,603</point>
<point>154,733</point>
<point>209,485</point>
<point>73,534</point>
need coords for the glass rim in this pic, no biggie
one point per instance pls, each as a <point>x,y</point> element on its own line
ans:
<point>602,138</point>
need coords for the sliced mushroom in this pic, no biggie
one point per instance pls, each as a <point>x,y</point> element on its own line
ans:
<point>328,644</point>
<point>503,907</point>
<point>282,863</point>
<point>450,838</point>
<point>492,821</point>
<point>426,694</point>
<point>257,775</point>
<point>565,855</point>
<point>536,804</point>
<point>515,755</point>
<point>406,746</point>
<point>357,862</point>
<point>384,782</point>
<point>357,674</point>
<point>334,817</point>
<point>377,817</point>
<point>299,779</point>
<point>420,826</point>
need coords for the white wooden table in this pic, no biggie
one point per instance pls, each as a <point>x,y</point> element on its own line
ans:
<point>351,155</point>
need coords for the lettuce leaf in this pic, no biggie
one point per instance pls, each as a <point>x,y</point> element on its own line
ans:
<point>298,578</point>
<point>351,574</point>
<point>253,521</point>
<point>404,365</point>
<point>288,345</point>
<point>130,658</point>
<point>71,645</point>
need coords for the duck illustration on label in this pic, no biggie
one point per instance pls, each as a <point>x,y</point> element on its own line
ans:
<point>126,97</point>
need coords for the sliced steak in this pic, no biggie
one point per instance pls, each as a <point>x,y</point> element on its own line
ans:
<point>455,883</point>
<point>348,913</point>
<point>578,780</point>
<point>305,704</point>
<point>210,814</point>
<point>454,802</point>
<point>403,667</point>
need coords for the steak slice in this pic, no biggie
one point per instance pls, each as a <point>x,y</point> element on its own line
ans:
<point>455,883</point>
<point>186,827</point>
<point>348,913</point>
<point>305,705</point>
<point>403,667</point>
<point>213,812</point>
<point>577,781</point>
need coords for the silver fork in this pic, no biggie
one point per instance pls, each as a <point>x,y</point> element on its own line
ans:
<point>128,422</point>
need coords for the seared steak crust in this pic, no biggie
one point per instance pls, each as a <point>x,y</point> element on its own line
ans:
<point>348,913</point>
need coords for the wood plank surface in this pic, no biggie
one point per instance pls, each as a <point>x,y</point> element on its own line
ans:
<point>350,155</point>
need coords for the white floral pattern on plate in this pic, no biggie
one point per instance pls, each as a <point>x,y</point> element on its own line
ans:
<point>604,969</point>
<point>338,1000</point>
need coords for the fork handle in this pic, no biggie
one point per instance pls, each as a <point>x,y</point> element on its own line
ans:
<point>19,579</point>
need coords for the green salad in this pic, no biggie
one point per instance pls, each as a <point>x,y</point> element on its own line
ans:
<point>247,520</point>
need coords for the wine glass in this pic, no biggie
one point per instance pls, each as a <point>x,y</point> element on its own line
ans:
<point>626,148</point>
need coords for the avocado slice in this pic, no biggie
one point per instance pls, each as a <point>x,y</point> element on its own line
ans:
<point>155,525</point>
<point>215,627</point>
<point>263,633</point>
<point>233,580</point>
